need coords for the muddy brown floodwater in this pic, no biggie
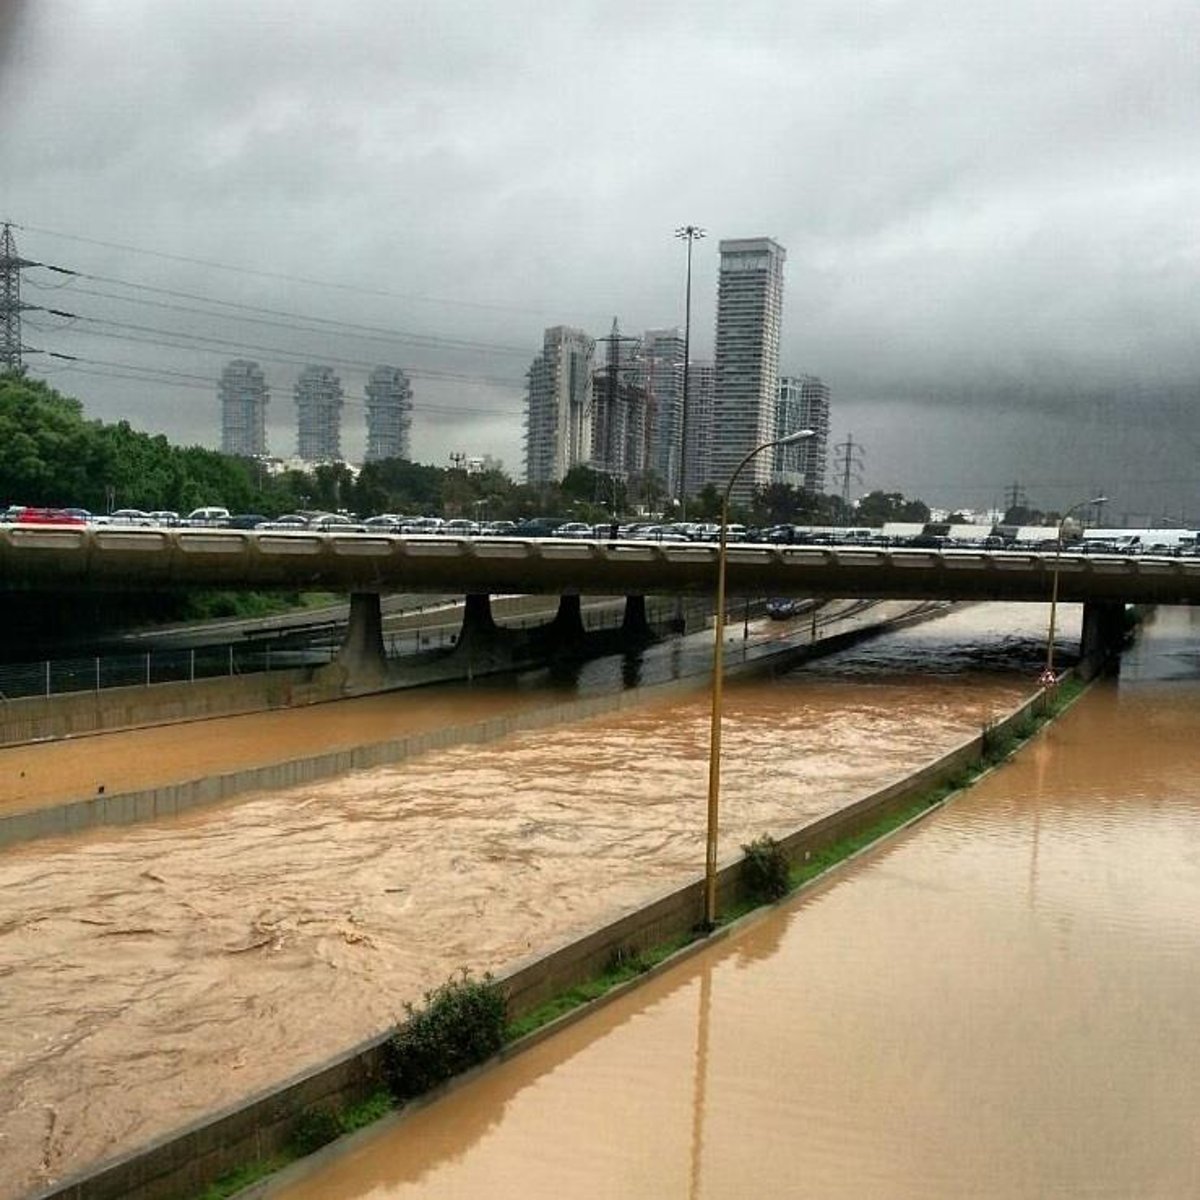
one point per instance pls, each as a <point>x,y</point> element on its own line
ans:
<point>999,1004</point>
<point>154,973</point>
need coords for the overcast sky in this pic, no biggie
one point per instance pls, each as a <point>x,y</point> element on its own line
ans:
<point>989,208</point>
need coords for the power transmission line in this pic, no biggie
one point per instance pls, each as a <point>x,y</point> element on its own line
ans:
<point>848,461</point>
<point>280,275</point>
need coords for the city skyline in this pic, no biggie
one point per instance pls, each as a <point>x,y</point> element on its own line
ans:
<point>989,276</point>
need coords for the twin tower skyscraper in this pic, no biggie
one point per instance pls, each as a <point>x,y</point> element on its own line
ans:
<point>626,417</point>
<point>244,394</point>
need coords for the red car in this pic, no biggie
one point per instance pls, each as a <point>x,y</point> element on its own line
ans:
<point>48,516</point>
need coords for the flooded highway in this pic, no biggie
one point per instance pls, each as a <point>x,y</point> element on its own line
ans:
<point>999,1003</point>
<point>153,973</point>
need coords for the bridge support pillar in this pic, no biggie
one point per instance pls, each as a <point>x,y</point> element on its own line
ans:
<point>634,625</point>
<point>1101,636</point>
<point>361,655</point>
<point>567,627</point>
<point>478,623</point>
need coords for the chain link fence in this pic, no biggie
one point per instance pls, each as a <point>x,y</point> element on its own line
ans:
<point>54,677</point>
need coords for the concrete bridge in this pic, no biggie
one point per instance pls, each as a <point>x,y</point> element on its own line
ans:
<point>65,559</point>
<point>57,559</point>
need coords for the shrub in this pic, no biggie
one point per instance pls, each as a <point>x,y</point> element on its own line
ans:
<point>765,869</point>
<point>460,1024</point>
<point>314,1128</point>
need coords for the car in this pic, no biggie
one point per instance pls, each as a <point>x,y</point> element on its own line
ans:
<point>335,523</point>
<point>210,514</point>
<point>575,529</point>
<point>781,608</point>
<point>499,528</point>
<point>130,516</point>
<point>46,516</point>
<point>459,527</point>
<point>164,516</point>
<point>287,521</point>
<point>422,525</point>
<point>245,520</point>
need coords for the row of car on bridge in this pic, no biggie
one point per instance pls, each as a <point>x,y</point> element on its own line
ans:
<point>1174,543</point>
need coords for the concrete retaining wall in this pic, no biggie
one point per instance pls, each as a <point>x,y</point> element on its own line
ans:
<point>183,1163</point>
<point>151,804</point>
<point>74,714</point>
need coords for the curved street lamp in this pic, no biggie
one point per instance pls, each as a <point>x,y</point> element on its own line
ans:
<point>1047,678</point>
<point>714,745</point>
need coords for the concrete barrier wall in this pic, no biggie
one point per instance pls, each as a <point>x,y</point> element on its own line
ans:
<point>183,1163</point>
<point>74,714</point>
<point>151,804</point>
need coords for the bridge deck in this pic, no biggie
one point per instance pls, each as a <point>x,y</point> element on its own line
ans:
<point>52,558</point>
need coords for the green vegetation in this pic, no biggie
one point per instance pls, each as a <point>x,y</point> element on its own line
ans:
<point>765,870</point>
<point>461,1023</point>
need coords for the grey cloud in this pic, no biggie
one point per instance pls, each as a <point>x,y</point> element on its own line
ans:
<point>988,208</point>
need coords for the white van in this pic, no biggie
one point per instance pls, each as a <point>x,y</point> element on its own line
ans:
<point>207,516</point>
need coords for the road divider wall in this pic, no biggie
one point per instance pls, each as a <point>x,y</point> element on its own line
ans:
<point>156,803</point>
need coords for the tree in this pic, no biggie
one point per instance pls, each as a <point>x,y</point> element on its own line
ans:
<point>877,507</point>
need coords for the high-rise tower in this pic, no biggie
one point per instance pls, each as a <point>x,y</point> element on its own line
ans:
<point>558,415</point>
<point>698,448</point>
<point>746,376</point>
<point>662,377</point>
<point>243,393</point>
<point>389,414</point>
<point>803,404</point>
<point>319,403</point>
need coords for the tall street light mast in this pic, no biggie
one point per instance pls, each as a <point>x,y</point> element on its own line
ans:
<point>690,234</point>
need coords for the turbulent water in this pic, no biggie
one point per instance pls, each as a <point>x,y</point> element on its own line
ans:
<point>998,1004</point>
<point>153,973</point>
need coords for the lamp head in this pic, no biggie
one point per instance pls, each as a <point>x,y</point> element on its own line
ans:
<point>798,436</point>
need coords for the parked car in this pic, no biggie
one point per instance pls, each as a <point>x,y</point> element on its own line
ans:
<point>163,516</point>
<point>459,527</point>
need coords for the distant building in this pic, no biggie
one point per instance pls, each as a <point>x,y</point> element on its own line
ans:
<point>319,402</point>
<point>661,376</point>
<point>558,414</point>
<point>803,404</point>
<point>389,414</point>
<point>243,393</point>
<point>698,451</point>
<point>619,429</point>
<point>746,384</point>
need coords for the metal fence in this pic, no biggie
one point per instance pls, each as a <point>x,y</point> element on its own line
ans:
<point>54,677</point>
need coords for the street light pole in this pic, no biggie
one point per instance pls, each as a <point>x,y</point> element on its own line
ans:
<point>690,233</point>
<point>1048,677</point>
<point>714,744</point>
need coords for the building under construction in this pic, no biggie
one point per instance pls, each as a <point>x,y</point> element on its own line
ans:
<point>389,414</point>
<point>319,401</point>
<point>619,426</point>
<point>244,395</point>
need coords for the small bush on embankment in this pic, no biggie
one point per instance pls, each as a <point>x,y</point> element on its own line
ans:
<point>765,870</point>
<point>460,1024</point>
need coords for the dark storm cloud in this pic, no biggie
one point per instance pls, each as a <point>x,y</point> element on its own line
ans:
<point>988,208</point>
